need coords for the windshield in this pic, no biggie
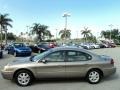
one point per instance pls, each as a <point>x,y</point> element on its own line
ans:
<point>17,45</point>
<point>39,56</point>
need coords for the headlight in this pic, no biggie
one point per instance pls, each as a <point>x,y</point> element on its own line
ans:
<point>19,50</point>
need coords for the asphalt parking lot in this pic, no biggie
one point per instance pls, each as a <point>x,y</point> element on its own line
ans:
<point>109,83</point>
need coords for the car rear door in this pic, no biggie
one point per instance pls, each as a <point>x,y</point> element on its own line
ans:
<point>53,67</point>
<point>77,63</point>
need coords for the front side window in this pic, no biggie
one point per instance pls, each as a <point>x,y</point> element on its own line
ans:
<point>77,56</point>
<point>55,57</point>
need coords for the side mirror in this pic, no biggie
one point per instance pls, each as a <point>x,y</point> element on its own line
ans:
<point>32,57</point>
<point>44,61</point>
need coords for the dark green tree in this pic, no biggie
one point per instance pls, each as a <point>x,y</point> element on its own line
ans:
<point>86,33</point>
<point>65,34</point>
<point>4,22</point>
<point>40,30</point>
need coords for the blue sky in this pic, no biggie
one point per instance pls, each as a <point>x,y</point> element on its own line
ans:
<point>95,14</point>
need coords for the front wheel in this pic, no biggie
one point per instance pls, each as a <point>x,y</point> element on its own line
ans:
<point>94,76</point>
<point>15,54</point>
<point>39,51</point>
<point>8,52</point>
<point>23,78</point>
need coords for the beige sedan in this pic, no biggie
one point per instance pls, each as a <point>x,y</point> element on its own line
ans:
<point>60,62</point>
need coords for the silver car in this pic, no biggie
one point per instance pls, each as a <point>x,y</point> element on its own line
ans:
<point>60,62</point>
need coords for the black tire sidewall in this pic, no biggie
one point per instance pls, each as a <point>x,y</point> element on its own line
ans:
<point>39,51</point>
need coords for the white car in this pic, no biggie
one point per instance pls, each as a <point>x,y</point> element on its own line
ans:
<point>95,46</point>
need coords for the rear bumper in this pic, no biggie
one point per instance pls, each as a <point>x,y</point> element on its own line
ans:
<point>7,75</point>
<point>109,71</point>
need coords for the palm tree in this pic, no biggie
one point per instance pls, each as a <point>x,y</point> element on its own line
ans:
<point>65,34</point>
<point>4,22</point>
<point>114,34</point>
<point>86,33</point>
<point>40,30</point>
<point>48,34</point>
<point>21,36</point>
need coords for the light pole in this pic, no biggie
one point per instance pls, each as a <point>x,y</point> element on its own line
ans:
<point>27,34</point>
<point>1,33</point>
<point>65,15</point>
<point>77,33</point>
<point>56,34</point>
<point>110,30</point>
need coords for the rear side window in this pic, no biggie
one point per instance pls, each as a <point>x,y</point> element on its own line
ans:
<point>74,56</point>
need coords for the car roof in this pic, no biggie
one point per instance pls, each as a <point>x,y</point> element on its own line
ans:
<point>70,48</point>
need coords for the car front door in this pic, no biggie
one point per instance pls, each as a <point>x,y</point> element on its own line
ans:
<point>53,67</point>
<point>77,63</point>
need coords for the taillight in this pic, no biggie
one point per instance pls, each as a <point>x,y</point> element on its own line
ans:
<point>112,61</point>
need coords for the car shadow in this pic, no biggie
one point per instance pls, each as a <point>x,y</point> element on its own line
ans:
<point>58,81</point>
<point>112,77</point>
<point>73,80</point>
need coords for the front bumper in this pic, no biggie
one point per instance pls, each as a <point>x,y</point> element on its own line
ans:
<point>7,74</point>
<point>24,53</point>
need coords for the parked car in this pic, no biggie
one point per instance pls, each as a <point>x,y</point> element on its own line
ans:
<point>44,47</point>
<point>40,48</point>
<point>60,62</point>
<point>52,45</point>
<point>112,45</point>
<point>71,45</point>
<point>7,47</point>
<point>95,46</point>
<point>86,46</point>
<point>17,49</point>
<point>102,45</point>
<point>34,48</point>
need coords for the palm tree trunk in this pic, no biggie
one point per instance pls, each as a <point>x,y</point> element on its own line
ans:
<point>6,37</point>
<point>40,37</point>
<point>1,33</point>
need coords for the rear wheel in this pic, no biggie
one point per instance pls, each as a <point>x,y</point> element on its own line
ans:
<point>94,76</point>
<point>23,78</point>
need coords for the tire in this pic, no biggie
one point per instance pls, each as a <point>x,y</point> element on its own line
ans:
<point>23,78</point>
<point>94,76</point>
<point>39,51</point>
<point>8,52</point>
<point>15,54</point>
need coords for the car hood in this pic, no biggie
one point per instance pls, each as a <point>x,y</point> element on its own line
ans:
<point>20,61</point>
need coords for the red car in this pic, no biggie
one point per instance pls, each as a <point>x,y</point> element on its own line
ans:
<point>112,45</point>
